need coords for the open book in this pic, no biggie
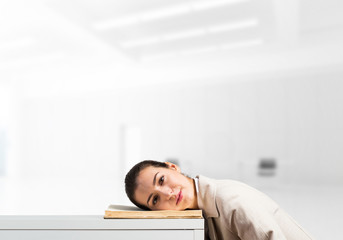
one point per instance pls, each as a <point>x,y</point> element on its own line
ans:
<point>124,211</point>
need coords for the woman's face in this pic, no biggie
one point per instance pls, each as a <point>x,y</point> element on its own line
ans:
<point>165,189</point>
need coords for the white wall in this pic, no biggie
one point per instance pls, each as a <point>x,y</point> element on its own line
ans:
<point>219,130</point>
<point>296,119</point>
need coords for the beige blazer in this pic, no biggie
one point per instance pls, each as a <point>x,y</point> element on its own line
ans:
<point>234,210</point>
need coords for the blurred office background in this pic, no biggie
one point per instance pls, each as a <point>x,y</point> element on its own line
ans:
<point>244,89</point>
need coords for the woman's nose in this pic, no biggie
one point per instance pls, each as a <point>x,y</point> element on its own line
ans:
<point>167,192</point>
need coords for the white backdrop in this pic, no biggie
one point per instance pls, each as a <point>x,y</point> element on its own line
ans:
<point>78,108</point>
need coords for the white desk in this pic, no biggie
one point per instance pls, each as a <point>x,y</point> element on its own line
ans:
<point>96,228</point>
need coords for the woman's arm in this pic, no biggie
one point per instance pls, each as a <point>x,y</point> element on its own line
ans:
<point>252,222</point>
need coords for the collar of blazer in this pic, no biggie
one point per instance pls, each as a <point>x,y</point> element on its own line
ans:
<point>207,196</point>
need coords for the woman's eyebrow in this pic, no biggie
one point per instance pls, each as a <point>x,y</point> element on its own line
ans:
<point>147,202</point>
<point>153,184</point>
<point>154,181</point>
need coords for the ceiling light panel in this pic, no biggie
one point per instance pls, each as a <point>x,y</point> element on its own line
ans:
<point>116,23</point>
<point>221,19</point>
<point>161,13</point>
<point>184,34</point>
<point>204,5</point>
<point>183,26</point>
<point>190,33</point>
<point>205,50</point>
<point>191,43</point>
<point>164,12</point>
<point>247,43</point>
<point>234,26</point>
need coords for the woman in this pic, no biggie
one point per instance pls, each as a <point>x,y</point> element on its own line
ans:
<point>232,210</point>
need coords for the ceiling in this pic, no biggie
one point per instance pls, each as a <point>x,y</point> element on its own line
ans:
<point>150,29</point>
<point>152,32</point>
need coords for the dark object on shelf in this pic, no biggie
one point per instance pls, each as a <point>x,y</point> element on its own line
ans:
<point>267,167</point>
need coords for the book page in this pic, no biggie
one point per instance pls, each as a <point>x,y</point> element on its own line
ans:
<point>118,207</point>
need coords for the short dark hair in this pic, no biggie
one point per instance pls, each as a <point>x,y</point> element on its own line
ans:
<point>131,179</point>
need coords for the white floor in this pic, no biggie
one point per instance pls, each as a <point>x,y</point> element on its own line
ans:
<point>317,208</point>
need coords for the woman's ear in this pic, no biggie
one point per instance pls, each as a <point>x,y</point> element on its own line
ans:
<point>173,166</point>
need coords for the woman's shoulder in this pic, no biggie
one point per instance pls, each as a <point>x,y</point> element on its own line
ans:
<point>224,189</point>
<point>233,191</point>
<point>222,184</point>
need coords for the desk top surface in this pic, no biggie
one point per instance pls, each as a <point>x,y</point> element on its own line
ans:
<point>9,222</point>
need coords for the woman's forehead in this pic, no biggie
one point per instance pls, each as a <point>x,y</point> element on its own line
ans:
<point>151,170</point>
<point>148,173</point>
<point>146,176</point>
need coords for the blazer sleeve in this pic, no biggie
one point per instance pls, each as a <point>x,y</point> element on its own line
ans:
<point>250,221</point>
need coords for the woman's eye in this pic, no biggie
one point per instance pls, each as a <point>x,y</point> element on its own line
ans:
<point>154,200</point>
<point>161,180</point>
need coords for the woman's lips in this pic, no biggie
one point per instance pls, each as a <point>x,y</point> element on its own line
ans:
<point>179,197</point>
